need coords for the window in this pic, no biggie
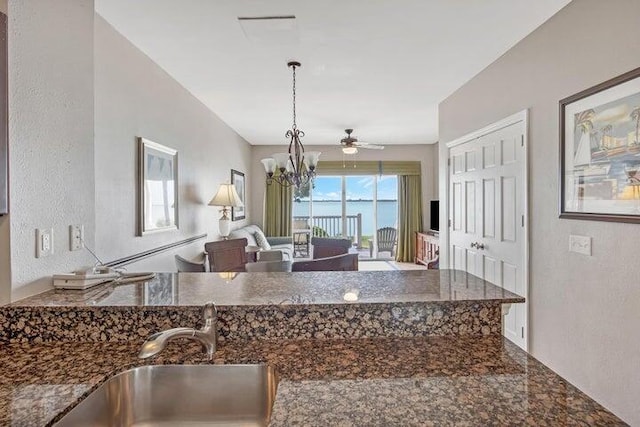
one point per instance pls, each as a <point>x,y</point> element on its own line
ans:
<point>348,206</point>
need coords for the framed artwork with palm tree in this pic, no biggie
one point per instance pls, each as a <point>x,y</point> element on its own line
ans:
<point>600,151</point>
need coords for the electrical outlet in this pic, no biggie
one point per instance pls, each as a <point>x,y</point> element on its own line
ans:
<point>76,237</point>
<point>580,244</point>
<point>44,242</point>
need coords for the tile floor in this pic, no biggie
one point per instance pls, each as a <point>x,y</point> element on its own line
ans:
<point>388,266</point>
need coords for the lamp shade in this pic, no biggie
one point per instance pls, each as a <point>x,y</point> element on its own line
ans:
<point>311,159</point>
<point>269,165</point>
<point>282,161</point>
<point>226,196</point>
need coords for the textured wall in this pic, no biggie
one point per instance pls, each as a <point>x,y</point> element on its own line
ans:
<point>5,247</point>
<point>135,97</point>
<point>425,153</point>
<point>584,319</point>
<point>50,134</point>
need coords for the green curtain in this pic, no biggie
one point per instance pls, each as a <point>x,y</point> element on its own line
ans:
<point>278,205</point>
<point>409,215</point>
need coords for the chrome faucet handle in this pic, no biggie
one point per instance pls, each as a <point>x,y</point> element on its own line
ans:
<point>209,311</point>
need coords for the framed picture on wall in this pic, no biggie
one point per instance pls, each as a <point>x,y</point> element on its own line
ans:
<point>600,151</point>
<point>237,179</point>
<point>157,187</point>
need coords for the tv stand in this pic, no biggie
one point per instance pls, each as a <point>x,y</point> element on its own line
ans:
<point>428,249</point>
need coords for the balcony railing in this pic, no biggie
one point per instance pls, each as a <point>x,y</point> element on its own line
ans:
<point>332,226</point>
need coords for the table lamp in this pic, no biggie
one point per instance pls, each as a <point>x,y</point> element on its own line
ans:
<point>227,196</point>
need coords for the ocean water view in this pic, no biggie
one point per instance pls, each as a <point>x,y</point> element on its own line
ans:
<point>387,212</point>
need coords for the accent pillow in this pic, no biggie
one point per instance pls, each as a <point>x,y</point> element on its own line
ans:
<point>261,240</point>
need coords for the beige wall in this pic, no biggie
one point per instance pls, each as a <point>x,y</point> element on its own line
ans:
<point>67,69</point>
<point>584,318</point>
<point>5,246</point>
<point>135,97</point>
<point>50,135</point>
<point>425,153</point>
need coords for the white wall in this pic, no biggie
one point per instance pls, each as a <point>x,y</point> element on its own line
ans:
<point>135,97</point>
<point>50,134</point>
<point>425,153</point>
<point>584,318</point>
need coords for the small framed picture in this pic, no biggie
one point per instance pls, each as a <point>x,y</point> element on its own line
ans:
<point>237,179</point>
<point>157,187</point>
<point>600,151</point>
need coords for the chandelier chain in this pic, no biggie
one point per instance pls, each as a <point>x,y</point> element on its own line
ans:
<point>294,97</point>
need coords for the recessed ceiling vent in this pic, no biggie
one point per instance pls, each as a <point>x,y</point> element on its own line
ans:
<point>270,30</point>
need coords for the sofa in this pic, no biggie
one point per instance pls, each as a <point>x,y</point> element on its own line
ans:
<point>274,249</point>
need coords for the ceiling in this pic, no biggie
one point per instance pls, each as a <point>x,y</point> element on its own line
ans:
<point>378,66</point>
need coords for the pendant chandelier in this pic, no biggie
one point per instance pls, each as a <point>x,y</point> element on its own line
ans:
<point>294,168</point>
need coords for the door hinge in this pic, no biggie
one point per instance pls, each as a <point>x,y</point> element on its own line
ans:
<point>522,331</point>
<point>449,161</point>
<point>523,220</point>
<point>522,140</point>
<point>449,223</point>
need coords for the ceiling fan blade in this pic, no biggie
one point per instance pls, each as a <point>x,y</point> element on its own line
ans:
<point>369,146</point>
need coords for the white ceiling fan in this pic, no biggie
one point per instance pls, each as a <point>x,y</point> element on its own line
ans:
<point>350,144</point>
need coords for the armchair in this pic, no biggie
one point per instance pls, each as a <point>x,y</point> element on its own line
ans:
<point>344,262</point>
<point>227,255</point>
<point>324,247</point>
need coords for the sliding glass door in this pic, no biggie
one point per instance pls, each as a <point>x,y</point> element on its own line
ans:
<point>361,208</point>
<point>386,216</point>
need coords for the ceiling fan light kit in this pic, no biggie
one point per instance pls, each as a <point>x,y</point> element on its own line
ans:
<point>296,167</point>
<point>350,150</point>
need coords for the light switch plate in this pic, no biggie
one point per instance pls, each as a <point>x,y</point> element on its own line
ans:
<point>580,244</point>
<point>44,242</point>
<point>76,237</point>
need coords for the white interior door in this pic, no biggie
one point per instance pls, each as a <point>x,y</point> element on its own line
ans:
<point>487,204</point>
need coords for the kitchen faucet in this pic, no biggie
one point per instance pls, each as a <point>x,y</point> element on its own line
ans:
<point>207,336</point>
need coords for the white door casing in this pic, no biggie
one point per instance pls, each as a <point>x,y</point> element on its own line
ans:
<point>488,230</point>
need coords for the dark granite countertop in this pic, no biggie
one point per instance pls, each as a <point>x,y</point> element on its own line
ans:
<point>440,381</point>
<point>260,289</point>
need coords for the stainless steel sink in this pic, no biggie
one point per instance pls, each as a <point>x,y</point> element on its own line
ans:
<point>180,395</point>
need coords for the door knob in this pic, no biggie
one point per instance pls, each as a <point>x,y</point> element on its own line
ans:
<point>477,245</point>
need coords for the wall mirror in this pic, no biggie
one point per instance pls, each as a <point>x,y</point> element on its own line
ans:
<point>158,187</point>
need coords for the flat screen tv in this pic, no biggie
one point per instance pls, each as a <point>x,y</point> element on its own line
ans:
<point>434,209</point>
